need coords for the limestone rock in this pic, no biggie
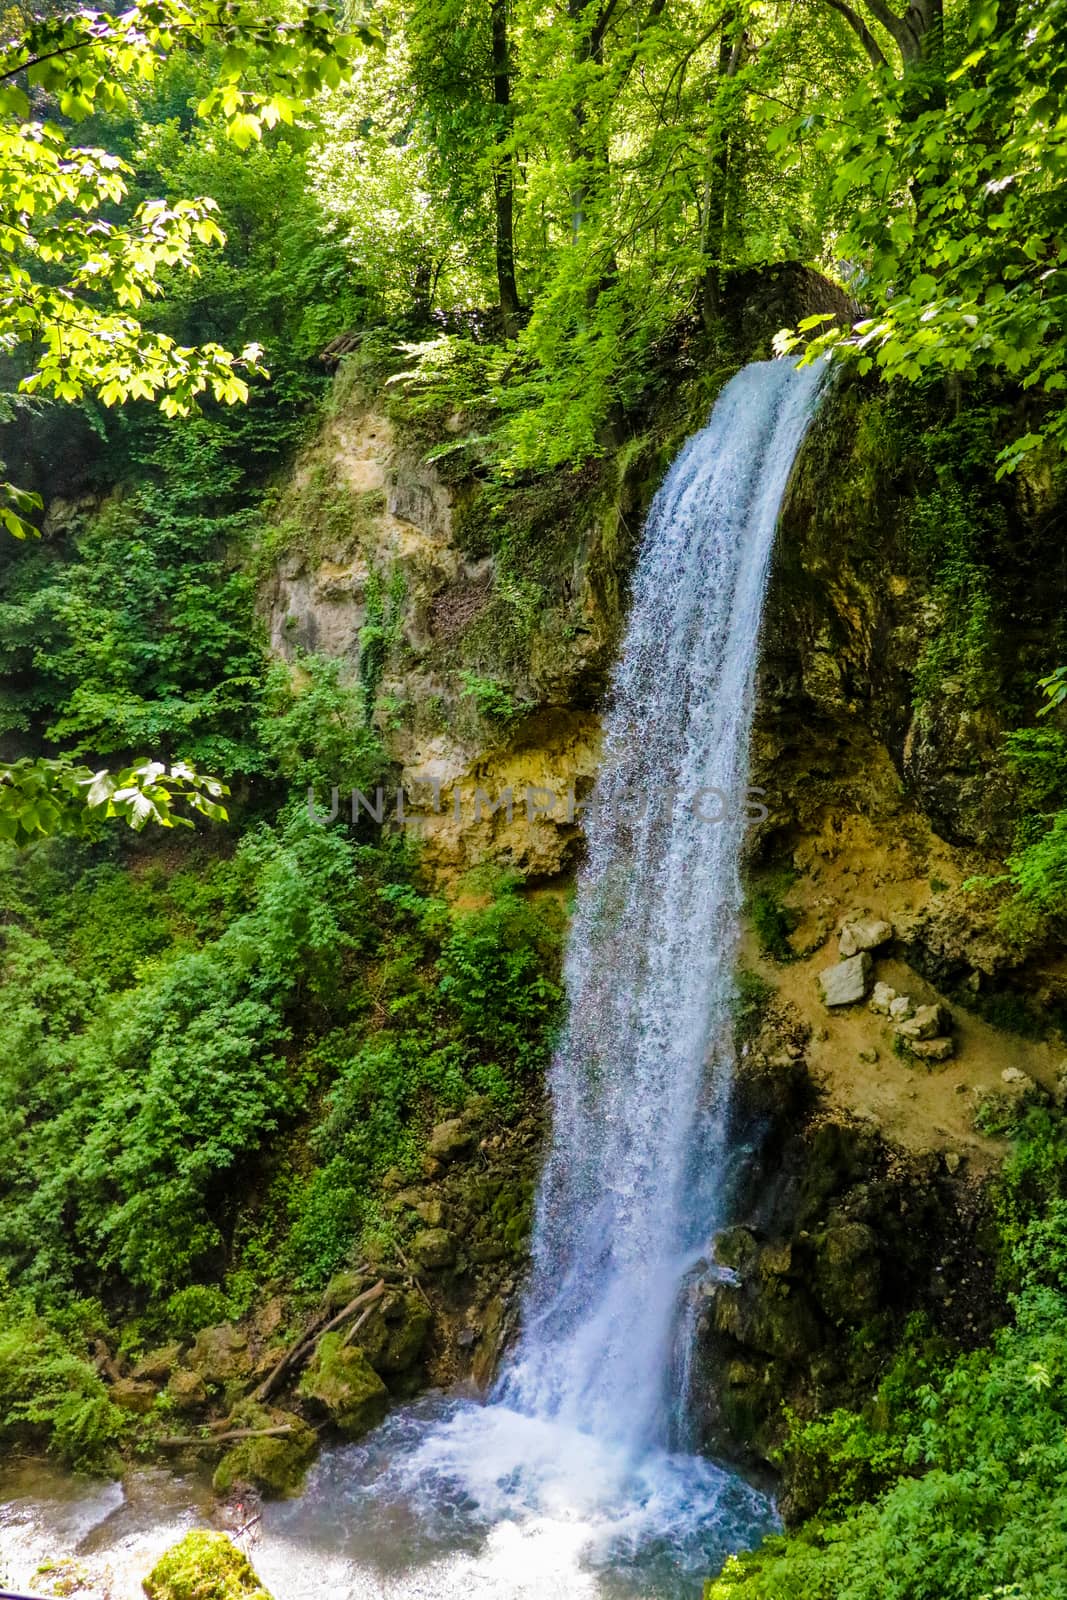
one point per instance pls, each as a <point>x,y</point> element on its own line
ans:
<point>933,1049</point>
<point>220,1354</point>
<point>901,1007</point>
<point>775,1260</point>
<point>1020,1081</point>
<point>846,983</point>
<point>869,933</point>
<point>434,1247</point>
<point>882,998</point>
<point>450,1140</point>
<point>340,1381</point>
<point>204,1566</point>
<point>735,1248</point>
<point>847,1270</point>
<point>927,1023</point>
<point>186,1391</point>
<point>131,1394</point>
<point>157,1365</point>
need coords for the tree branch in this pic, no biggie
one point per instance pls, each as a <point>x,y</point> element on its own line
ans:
<point>861,30</point>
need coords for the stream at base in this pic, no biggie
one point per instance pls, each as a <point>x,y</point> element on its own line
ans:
<point>447,1500</point>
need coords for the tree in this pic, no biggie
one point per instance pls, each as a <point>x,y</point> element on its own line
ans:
<point>73,277</point>
<point>956,212</point>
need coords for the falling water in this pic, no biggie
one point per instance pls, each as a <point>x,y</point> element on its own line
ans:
<point>632,1187</point>
<point>572,1483</point>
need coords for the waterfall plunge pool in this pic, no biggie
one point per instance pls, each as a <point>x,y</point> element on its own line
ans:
<point>447,1500</point>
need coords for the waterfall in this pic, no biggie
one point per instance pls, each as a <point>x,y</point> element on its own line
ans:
<point>632,1187</point>
<point>574,1480</point>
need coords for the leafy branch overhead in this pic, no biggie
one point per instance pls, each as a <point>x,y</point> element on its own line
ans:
<point>74,273</point>
<point>43,797</point>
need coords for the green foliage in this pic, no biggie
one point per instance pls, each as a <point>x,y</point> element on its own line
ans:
<point>772,923</point>
<point>493,700</point>
<point>1038,865</point>
<point>74,277</point>
<point>41,797</point>
<point>952,175</point>
<point>378,632</point>
<point>460,1004</point>
<point>49,1391</point>
<point>313,730</point>
<point>306,980</point>
<point>952,1482</point>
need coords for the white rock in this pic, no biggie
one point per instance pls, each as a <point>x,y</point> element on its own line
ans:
<point>901,1008</point>
<point>846,983</point>
<point>868,933</point>
<point>882,999</point>
<point>927,1023</point>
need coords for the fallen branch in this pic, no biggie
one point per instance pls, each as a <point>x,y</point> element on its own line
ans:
<point>196,1441</point>
<point>360,1320</point>
<point>411,1273</point>
<point>310,1338</point>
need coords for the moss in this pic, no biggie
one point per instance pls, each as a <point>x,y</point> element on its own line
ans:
<point>204,1566</point>
<point>752,996</point>
<point>275,1466</point>
<point>342,1382</point>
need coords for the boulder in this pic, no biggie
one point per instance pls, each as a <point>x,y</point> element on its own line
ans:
<point>157,1365</point>
<point>204,1566</point>
<point>187,1391</point>
<point>900,1007</point>
<point>848,1274</point>
<point>927,1023</point>
<point>432,1212</point>
<point>933,1049</point>
<point>274,1466</point>
<point>131,1394</point>
<point>450,1140</point>
<point>434,1247</point>
<point>341,1382</point>
<point>343,1288</point>
<point>220,1354</point>
<point>846,983</point>
<point>407,1326</point>
<point>1016,1079</point>
<point>868,933</point>
<point>735,1248</point>
<point>882,997</point>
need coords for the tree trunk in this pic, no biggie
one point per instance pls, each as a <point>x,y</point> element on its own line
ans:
<point>504,171</point>
<point>719,188</point>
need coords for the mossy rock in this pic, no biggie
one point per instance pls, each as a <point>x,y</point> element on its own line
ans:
<point>275,1466</point>
<point>220,1354</point>
<point>204,1566</point>
<point>341,1382</point>
<point>434,1248</point>
<point>406,1336</point>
